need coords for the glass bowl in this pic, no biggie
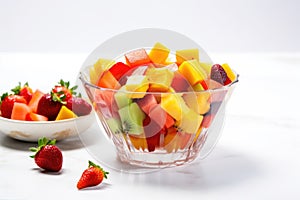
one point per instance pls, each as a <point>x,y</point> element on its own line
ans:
<point>149,139</point>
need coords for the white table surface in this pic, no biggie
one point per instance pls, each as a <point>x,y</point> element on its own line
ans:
<point>257,156</point>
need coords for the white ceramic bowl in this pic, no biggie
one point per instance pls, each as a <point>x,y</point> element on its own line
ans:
<point>31,131</point>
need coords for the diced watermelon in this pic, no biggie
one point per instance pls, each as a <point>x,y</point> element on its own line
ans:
<point>119,69</point>
<point>137,57</point>
<point>19,111</point>
<point>147,102</point>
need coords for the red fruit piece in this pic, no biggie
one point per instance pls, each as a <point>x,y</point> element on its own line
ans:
<point>92,176</point>
<point>7,103</point>
<point>48,107</point>
<point>137,57</point>
<point>79,106</point>
<point>24,91</point>
<point>147,102</point>
<point>179,83</point>
<point>218,74</point>
<point>119,69</point>
<point>47,155</point>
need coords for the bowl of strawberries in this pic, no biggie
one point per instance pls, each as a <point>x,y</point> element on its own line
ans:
<point>158,97</point>
<point>27,114</point>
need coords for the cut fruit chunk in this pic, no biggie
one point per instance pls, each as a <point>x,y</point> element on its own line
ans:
<point>160,79</point>
<point>180,83</point>
<point>199,102</point>
<point>137,57</point>
<point>147,102</point>
<point>98,68</point>
<point>174,105</point>
<point>121,98</point>
<point>159,53</point>
<point>138,84</point>
<point>114,125</point>
<point>186,54</point>
<point>65,113</point>
<point>35,117</point>
<point>119,69</point>
<point>19,111</point>
<point>190,122</point>
<point>34,102</point>
<point>107,80</point>
<point>231,75</point>
<point>132,119</point>
<point>193,72</point>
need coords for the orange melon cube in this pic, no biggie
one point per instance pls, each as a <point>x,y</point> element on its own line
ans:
<point>19,111</point>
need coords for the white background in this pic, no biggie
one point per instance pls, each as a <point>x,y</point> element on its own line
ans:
<point>218,26</point>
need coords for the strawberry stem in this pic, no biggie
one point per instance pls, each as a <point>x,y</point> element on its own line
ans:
<point>91,164</point>
<point>41,143</point>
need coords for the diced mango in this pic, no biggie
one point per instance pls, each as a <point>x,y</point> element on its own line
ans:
<point>107,80</point>
<point>65,113</point>
<point>186,54</point>
<point>138,84</point>
<point>199,102</point>
<point>159,53</point>
<point>230,74</point>
<point>174,105</point>
<point>193,72</point>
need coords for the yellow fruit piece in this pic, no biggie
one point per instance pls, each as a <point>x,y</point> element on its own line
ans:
<point>186,54</point>
<point>231,75</point>
<point>138,84</point>
<point>65,113</point>
<point>160,79</point>
<point>192,71</point>
<point>159,53</point>
<point>174,105</point>
<point>206,67</point>
<point>198,102</point>
<point>190,122</point>
<point>98,68</point>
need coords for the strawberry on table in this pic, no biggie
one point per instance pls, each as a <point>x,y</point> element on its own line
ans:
<point>92,176</point>
<point>7,103</point>
<point>47,155</point>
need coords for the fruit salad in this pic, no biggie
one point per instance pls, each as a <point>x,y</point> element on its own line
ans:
<point>157,99</point>
<point>24,103</point>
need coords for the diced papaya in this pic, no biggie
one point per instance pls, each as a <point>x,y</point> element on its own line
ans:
<point>19,111</point>
<point>137,57</point>
<point>107,80</point>
<point>35,117</point>
<point>34,102</point>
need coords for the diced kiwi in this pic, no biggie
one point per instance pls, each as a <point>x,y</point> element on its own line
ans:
<point>122,99</point>
<point>114,125</point>
<point>132,119</point>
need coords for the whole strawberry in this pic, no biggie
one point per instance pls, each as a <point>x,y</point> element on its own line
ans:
<point>24,91</point>
<point>47,156</point>
<point>48,107</point>
<point>92,176</point>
